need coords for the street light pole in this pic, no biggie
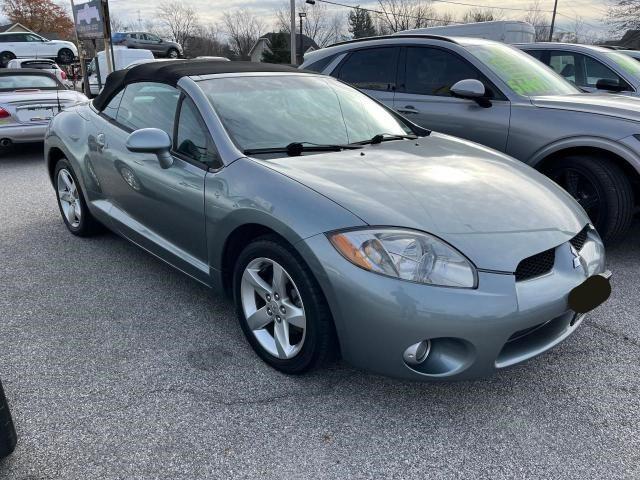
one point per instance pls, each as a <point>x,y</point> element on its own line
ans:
<point>553,20</point>
<point>301,54</point>
<point>293,32</point>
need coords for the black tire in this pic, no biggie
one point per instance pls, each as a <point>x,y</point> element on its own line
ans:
<point>600,179</point>
<point>65,56</point>
<point>88,225</point>
<point>8,437</point>
<point>173,53</point>
<point>320,345</point>
<point>5,58</point>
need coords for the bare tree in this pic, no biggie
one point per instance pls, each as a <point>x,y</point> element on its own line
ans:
<point>207,41</point>
<point>625,15</point>
<point>540,21</point>
<point>321,25</point>
<point>482,15</point>
<point>243,29</point>
<point>398,15</point>
<point>179,19</point>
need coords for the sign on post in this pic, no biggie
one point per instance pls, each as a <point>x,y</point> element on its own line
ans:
<point>88,20</point>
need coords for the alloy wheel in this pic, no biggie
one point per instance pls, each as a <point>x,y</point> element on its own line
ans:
<point>273,308</point>
<point>69,198</point>
<point>582,189</point>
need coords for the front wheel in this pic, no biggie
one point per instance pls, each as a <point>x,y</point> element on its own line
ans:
<point>281,309</point>
<point>173,53</point>
<point>601,188</point>
<point>65,56</point>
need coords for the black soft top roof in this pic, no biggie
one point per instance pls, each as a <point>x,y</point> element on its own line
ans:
<point>171,72</point>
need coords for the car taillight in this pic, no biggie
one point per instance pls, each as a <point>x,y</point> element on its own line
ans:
<point>4,113</point>
<point>63,74</point>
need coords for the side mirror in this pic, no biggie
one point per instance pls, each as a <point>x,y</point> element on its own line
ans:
<point>152,140</point>
<point>471,89</point>
<point>610,85</point>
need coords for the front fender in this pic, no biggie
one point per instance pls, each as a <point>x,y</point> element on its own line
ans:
<point>246,192</point>
<point>627,148</point>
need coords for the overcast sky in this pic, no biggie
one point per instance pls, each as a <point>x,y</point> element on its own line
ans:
<point>592,12</point>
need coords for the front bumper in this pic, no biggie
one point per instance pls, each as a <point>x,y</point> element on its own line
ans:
<point>473,332</point>
<point>23,133</point>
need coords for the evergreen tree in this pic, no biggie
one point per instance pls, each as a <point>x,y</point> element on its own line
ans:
<point>361,24</point>
<point>278,51</point>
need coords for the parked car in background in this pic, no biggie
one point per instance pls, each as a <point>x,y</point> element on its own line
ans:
<point>123,57</point>
<point>496,95</point>
<point>148,41</point>
<point>335,222</point>
<point>8,435</point>
<point>29,98</point>
<point>632,53</point>
<point>42,64</point>
<point>29,45</point>
<point>506,31</point>
<point>591,68</point>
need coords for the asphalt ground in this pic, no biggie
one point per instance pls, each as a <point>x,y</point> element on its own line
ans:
<point>118,367</point>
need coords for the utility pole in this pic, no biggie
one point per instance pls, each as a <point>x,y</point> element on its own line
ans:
<point>553,20</point>
<point>292,27</point>
<point>301,54</point>
<point>108,49</point>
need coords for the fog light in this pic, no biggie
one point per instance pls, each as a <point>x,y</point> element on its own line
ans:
<point>417,353</point>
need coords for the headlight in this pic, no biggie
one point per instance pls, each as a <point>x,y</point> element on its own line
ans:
<point>405,254</point>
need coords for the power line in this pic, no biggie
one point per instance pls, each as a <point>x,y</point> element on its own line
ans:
<point>382,12</point>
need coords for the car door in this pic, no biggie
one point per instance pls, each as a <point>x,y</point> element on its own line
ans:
<point>162,210</point>
<point>22,48</point>
<point>424,96</point>
<point>373,70</point>
<point>153,43</point>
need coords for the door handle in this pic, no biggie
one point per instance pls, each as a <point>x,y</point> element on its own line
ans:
<point>100,141</point>
<point>408,109</point>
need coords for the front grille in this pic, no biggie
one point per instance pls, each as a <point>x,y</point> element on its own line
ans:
<point>536,265</point>
<point>580,239</point>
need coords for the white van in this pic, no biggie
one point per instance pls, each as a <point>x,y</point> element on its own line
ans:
<point>505,31</point>
<point>123,58</point>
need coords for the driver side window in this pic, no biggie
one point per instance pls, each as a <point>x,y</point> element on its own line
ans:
<point>148,105</point>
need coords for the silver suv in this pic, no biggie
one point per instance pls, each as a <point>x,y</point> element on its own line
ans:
<point>589,67</point>
<point>498,96</point>
<point>148,41</point>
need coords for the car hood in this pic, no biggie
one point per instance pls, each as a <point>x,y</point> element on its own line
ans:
<point>494,209</point>
<point>623,106</point>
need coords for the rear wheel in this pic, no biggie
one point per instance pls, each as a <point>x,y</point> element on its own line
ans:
<point>601,188</point>
<point>281,309</point>
<point>65,56</point>
<point>5,58</point>
<point>73,207</point>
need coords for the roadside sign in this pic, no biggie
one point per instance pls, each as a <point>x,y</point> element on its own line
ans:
<point>88,20</point>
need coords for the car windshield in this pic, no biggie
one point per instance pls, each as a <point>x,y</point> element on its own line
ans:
<point>275,111</point>
<point>21,82</point>
<point>626,63</point>
<point>524,74</point>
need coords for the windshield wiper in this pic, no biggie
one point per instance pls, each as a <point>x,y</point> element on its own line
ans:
<point>382,137</point>
<point>296,149</point>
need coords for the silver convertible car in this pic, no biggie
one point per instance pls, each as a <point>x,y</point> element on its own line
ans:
<point>338,226</point>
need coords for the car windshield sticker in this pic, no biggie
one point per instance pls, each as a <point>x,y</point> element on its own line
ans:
<point>626,63</point>
<point>522,81</point>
